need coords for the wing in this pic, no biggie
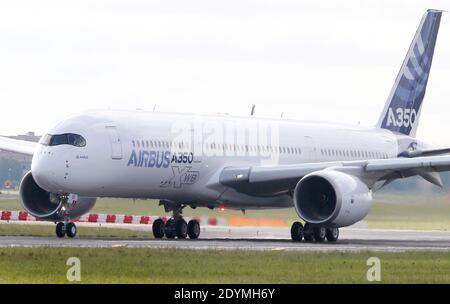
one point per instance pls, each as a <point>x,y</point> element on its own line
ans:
<point>19,146</point>
<point>274,180</point>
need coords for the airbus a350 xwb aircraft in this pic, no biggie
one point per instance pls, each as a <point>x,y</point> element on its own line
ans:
<point>326,171</point>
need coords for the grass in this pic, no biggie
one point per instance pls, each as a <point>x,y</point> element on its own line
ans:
<point>135,265</point>
<point>408,212</point>
<point>9,229</point>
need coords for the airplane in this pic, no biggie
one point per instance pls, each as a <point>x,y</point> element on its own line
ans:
<point>327,172</point>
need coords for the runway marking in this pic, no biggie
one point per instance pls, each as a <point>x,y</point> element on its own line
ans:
<point>255,238</point>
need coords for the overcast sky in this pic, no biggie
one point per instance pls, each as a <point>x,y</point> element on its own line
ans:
<point>313,60</point>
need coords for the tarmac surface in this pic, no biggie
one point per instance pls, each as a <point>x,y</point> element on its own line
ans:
<point>258,238</point>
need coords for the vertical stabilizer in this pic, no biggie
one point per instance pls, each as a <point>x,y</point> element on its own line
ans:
<point>402,110</point>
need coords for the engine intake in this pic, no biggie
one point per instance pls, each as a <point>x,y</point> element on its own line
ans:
<point>332,198</point>
<point>47,206</point>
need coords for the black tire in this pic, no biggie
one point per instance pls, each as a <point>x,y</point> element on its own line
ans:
<point>158,228</point>
<point>319,233</point>
<point>169,229</point>
<point>181,229</point>
<point>193,229</point>
<point>60,230</point>
<point>308,233</point>
<point>332,234</point>
<point>71,230</point>
<point>297,231</point>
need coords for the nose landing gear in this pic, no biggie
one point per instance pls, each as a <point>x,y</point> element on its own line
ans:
<point>312,233</point>
<point>176,226</point>
<point>66,228</point>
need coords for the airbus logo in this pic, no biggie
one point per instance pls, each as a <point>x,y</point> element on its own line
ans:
<point>158,159</point>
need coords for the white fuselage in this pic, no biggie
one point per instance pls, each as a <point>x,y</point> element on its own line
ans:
<point>179,157</point>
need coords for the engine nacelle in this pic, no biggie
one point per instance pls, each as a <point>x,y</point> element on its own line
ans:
<point>332,198</point>
<point>48,206</point>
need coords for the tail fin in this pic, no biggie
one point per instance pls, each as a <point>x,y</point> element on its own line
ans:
<point>402,110</point>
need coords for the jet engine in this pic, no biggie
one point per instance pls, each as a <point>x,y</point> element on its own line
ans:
<point>332,198</point>
<point>49,206</point>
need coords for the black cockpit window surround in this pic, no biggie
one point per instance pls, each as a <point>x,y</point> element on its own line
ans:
<point>72,139</point>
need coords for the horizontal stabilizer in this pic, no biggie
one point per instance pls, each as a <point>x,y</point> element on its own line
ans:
<point>424,152</point>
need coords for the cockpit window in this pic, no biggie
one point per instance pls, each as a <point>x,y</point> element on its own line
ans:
<point>57,140</point>
<point>45,140</point>
<point>76,140</point>
<point>63,139</point>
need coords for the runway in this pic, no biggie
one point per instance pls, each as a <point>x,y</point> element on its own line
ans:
<point>257,238</point>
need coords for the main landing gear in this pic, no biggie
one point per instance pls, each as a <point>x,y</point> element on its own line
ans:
<point>66,228</point>
<point>176,226</point>
<point>312,233</point>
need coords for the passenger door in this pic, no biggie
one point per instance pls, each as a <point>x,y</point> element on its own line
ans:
<point>116,144</point>
<point>309,149</point>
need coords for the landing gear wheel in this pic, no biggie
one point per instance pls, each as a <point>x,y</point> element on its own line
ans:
<point>308,233</point>
<point>181,228</point>
<point>169,229</point>
<point>193,229</point>
<point>158,228</point>
<point>60,230</point>
<point>71,230</point>
<point>297,231</point>
<point>319,233</point>
<point>332,234</point>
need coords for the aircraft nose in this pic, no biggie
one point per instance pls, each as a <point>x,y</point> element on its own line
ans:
<point>44,171</point>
